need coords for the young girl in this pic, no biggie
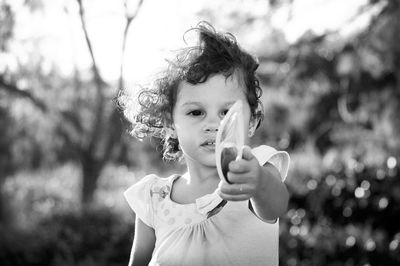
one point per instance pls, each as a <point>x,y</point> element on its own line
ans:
<point>183,219</point>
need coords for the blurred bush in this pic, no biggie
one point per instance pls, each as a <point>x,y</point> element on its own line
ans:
<point>98,237</point>
<point>344,216</point>
<point>49,228</point>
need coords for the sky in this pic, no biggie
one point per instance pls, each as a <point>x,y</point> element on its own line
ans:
<point>56,32</point>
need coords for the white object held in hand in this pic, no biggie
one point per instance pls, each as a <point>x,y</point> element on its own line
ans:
<point>230,140</point>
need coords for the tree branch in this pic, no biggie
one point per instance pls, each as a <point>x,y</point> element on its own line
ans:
<point>12,88</point>
<point>88,41</point>
<point>115,116</point>
<point>99,82</point>
<point>129,19</point>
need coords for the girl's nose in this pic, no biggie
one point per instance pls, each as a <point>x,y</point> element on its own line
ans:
<point>211,128</point>
<point>212,124</point>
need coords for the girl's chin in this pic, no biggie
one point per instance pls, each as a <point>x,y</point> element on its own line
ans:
<point>208,148</point>
<point>207,160</point>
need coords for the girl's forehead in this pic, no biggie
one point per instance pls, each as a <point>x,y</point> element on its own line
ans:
<point>216,88</point>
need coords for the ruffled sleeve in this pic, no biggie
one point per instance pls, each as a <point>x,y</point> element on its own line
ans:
<point>138,197</point>
<point>280,159</point>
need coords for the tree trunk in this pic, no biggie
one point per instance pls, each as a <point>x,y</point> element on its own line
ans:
<point>5,215</point>
<point>91,168</point>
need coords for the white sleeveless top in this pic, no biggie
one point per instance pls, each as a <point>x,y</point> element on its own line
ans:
<point>186,234</point>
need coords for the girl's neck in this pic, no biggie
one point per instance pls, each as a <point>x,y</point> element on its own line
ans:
<point>200,174</point>
<point>197,182</point>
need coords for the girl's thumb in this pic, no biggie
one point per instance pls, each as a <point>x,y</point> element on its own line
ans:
<point>247,154</point>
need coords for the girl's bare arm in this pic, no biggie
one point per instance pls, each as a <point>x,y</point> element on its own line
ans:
<point>272,200</point>
<point>143,244</point>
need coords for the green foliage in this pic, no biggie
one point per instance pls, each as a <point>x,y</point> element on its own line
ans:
<point>49,228</point>
<point>94,238</point>
<point>6,25</point>
<point>347,217</point>
<point>338,119</point>
<point>331,101</point>
<point>37,195</point>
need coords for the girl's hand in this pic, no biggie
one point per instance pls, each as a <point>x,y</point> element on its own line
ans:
<point>246,176</point>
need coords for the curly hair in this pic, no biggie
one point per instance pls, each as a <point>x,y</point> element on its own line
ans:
<point>215,53</point>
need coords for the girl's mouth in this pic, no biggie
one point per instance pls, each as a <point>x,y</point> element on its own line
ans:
<point>210,144</point>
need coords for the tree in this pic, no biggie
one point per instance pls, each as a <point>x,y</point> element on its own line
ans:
<point>85,128</point>
<point>94,158</point>
<point>6,26</point>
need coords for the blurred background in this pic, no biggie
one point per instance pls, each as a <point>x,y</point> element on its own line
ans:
<point>330,72</point>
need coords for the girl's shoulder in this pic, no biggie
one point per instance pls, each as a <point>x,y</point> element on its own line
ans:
<point>151,182</point>
<point>140,196</point>
<point>149,186</point>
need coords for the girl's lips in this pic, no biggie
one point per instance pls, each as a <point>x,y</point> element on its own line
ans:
<point>209,147</point>
<point>208,143</point>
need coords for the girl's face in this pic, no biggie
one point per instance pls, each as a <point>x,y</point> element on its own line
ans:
<point>198,112</point>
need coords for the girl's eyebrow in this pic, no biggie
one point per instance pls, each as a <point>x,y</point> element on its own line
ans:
<point>199,103</point>
<point>191,103</point>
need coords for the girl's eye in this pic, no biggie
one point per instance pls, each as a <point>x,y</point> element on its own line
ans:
<point>195,113</point>
<point>224,112</point>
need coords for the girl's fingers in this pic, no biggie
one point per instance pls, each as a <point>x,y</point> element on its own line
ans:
<point>239,166</point>
<point>238,178</point>
<point>234,189</point>
<point>243,165</point>
<point>247,154</point>
<point>229,197</point>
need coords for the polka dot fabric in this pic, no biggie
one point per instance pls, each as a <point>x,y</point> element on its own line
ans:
<point>170,213</point>
<point>186,236</point>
